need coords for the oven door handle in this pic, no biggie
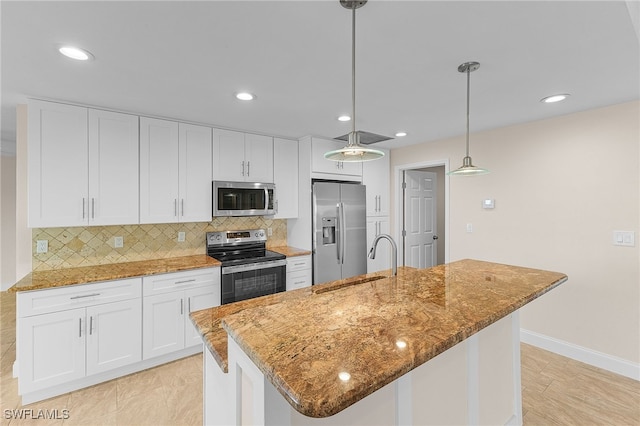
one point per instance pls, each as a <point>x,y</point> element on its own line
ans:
<point>253,266</point>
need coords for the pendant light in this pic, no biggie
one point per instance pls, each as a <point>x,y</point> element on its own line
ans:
<point>467,168</point>
<point>354,151</point>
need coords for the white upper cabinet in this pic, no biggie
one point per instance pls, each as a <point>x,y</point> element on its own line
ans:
<point>82,166</point>
<point>375,175</point>
<point>285,177</point>
<point>175,172</point>
<point>113,168</point>
<point>57,155</point>
<point>195,173</point>
<point>242,157</point>
<point>319,164</point>
<point>158,171</point>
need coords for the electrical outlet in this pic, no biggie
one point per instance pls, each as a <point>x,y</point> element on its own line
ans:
<point>181,237</point>
<point>42,246</point>
<point>118,242</point>
<point>269,232</point>
<point>469,227</point>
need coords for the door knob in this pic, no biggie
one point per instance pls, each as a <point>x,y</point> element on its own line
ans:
<point>435,237</point>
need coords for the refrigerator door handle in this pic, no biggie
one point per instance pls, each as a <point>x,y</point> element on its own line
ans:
<point>339,231</point>
<point>343,233</point>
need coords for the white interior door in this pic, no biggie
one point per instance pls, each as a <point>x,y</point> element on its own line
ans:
<point>420,249</point>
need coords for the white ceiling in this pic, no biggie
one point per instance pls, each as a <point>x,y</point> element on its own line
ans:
<point>185,60</point>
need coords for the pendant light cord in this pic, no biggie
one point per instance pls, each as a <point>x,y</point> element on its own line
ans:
<point>353,69</point>
<point>468,96</point>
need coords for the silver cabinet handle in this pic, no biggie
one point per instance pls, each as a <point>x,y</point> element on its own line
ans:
<point>248,168</point>
<point>299,282</point>
<point>90,325</point>
<point>86,295</point>
<point>243,168</point>
<point>79,327</point>
<point>175,207</point>
<point>185,281</point>
<point>181,306</point>
<point>182,206</point>
<point>83,211</point>
<point>93,208</point>
<point>189,304</point>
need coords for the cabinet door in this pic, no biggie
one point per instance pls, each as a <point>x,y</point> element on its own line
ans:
<point>376,176</point>
<point>198,299</point>
<point>113,168</point>
<point>259,158</point>
<point>228,155</point>
<point>158,171</point>
<point>114,335</point>
<point>51,349</point>
<point>162,324</point>
<point>195,173</point>
<point>285,176</point>
<point>57,156</point>
<point>375,227</point>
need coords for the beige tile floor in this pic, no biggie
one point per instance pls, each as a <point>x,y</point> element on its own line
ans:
<point>555,391</point>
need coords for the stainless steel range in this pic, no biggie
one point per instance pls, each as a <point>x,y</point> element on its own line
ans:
<point>248,269</point>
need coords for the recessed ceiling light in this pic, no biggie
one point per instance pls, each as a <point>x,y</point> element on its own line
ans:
<point>401,134</point>
<point>75,53</point>
<point>245,96</point>
<point>555,98</point>
<point>344,118</point>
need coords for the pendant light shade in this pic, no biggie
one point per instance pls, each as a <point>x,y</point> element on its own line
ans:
<point>354,151</point>
<point>467,168</point>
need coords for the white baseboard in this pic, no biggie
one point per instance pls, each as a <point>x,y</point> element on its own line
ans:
<point>582,354</point>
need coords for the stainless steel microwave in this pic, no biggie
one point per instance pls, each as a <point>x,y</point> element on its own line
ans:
<point>243,198</point>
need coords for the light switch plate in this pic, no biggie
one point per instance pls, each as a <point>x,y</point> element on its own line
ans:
<point>181,237</point>
<point>624,238</point>
<point>489,203</point>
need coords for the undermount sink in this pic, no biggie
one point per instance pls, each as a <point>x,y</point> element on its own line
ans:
<point>346,284</point>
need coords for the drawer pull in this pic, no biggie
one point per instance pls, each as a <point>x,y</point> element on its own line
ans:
<point>186,281</point>
<point>90,325</point>
<point>299,282</point>
<point>298,264</point>
<point>86,295</point>
<point>79,327</point>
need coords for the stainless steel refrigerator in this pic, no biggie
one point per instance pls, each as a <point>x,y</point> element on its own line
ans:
<point>339,231</point>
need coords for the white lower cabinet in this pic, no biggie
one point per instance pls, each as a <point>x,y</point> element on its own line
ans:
<point>298,272</point>
<point>71,337</point>
<point>113,335</point>
<point>81,332</point>
<point>52,350</point>
<point>168,300</point>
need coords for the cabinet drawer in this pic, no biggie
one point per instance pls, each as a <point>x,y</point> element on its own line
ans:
<point>298,279</point>
<point>77,296</point>
<point>298,263</point>
<point>164,283</point>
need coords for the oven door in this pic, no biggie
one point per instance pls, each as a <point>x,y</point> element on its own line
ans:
<point>253,280</point>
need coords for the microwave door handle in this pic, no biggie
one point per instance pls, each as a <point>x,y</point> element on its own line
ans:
<point>266,200</point>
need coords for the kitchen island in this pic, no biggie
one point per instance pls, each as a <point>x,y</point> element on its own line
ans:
<point>431,346</point>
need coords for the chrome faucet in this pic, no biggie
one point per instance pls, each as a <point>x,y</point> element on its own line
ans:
<point>394,248</point>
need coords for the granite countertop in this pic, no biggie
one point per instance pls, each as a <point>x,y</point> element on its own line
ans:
<point>87,274</point>
<point>290,251</point>
<point>301,340</point>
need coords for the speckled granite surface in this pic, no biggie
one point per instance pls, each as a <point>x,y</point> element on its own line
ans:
<point>374,330</point>
<point>290,251</point>
<point>62,277</point>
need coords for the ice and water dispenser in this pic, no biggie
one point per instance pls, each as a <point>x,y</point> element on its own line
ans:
<point>328,230</point>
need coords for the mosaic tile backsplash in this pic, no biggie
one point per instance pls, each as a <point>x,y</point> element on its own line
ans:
<point>88,246</point>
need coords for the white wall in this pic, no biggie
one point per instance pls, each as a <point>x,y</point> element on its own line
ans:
<point>561,187</point>
<point>7,221</point>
